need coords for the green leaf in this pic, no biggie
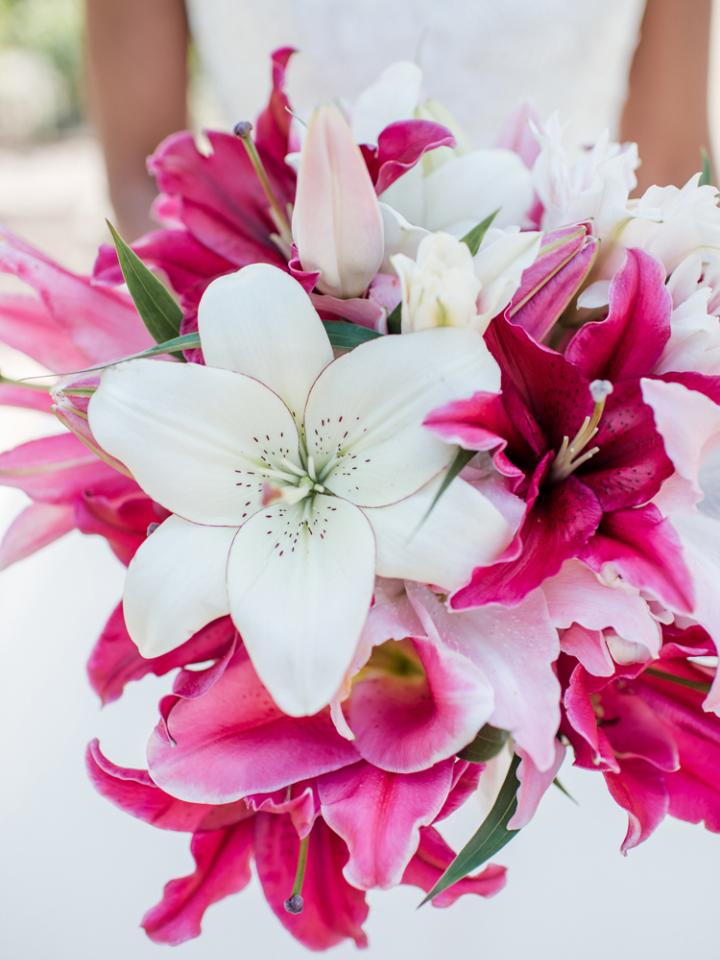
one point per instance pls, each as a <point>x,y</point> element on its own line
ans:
<point>394,320</point>
<point>487,744</point>
<point>564,790</point>
<point>475,237</point>
<point>160,313</point>
<point>462,459</point>
<point>345,335</point>
<point>706,171</point>
<point>491,837</point>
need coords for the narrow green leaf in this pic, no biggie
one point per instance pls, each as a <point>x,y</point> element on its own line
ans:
<point>473,238</point>
<point>345,335</point>
<point>487,744</point>
<point>160,313</point>
<point>491,837</point>
<point>394,320</point>
<point>706,171</point>
<point>462,459</point>
<point>564,790</point>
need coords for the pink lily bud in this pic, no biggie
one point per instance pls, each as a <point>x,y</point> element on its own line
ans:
<point>337,225</point>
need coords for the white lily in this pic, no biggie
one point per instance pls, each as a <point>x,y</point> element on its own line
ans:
<point>445,286</point>
<point>341,448</point>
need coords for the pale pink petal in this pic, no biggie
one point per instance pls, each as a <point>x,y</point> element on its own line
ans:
<point>34,528</point>
<point>533,784</point>
<point>515,648</point>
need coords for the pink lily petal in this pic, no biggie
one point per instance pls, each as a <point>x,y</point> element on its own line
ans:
<point>234,741</point>
<point>576,595</point>
<point>14,396</point>
<point>333,910</point>
<point>302,808</point>
<point>218,197</point>
<point>100,322</point>
<point>34,528</point>
<point>433,857</point>
<point>54,469</point>
<point>630,340</point>
<point>222,859</point>
<point>119,511</point>
<point>641,791</point>
<point>517,135</point>
<point>401,145</point>
<point>526,688</point>
<point>588,647</point>
<point>407,722</point>
<point>465,781</point>
<point>643,546</point>
<point>115,660</point>
<point>273,125</point>
<point>379,815</point>
<point>533,785</point>
<point>27,325</point>
<point>135,793</point>
<point>188,264</point>
<point>556,528</point>
<point>549,284</point>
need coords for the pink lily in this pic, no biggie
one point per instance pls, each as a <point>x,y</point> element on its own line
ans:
<point>645,729</point>
<point>577,483</point>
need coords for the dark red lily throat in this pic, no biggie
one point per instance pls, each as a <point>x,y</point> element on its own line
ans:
<point>573,453</point>
<point>295,903</point>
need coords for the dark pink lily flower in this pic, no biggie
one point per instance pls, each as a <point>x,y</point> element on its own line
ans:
<point>575,438</point>
<point>646,730</point>
<point>252,784</point>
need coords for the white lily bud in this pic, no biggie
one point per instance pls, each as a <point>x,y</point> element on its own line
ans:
<point>336,224</point>
<point>440,287</point>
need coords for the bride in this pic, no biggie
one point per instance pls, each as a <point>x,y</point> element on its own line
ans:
<point>638,69</point>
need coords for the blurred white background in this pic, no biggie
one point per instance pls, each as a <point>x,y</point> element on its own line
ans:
<point>76,875</point>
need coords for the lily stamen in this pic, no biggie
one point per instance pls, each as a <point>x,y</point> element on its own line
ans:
<point>243,130</point>
<point>573,453</point>
<point>295,903</point>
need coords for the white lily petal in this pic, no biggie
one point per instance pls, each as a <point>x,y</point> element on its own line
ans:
<point>393,96</point>
<point>260,322</point>
<point>463,192</point>
<point>364,416</point>
<point>176,584</point>
<point>197,439</point>
<point>300,581</point>
<point>407,196</point>
<point>464,530</point>
<point>400,236</point>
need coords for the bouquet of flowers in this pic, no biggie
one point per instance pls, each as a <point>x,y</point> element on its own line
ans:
<point>410,450</point>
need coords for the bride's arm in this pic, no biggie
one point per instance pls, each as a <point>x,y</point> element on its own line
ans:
<point>667,109</point>
<point>137,79</point>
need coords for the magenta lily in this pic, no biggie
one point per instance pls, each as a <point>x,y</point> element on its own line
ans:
<point>645,729</point>
<point>581,450</point>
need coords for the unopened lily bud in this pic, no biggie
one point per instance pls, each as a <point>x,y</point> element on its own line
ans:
<point>440,287</point>
<point>336,225</point>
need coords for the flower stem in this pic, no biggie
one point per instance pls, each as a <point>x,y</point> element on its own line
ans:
<point>243,130</point>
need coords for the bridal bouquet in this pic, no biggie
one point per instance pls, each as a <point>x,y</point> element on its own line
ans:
<point>411,451</point>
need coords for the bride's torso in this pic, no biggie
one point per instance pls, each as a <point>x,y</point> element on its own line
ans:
<point>482,58</point>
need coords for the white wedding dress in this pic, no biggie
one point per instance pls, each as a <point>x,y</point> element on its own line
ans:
<point>481,58</point>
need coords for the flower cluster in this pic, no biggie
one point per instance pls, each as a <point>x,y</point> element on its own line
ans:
<point>415,479</point>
